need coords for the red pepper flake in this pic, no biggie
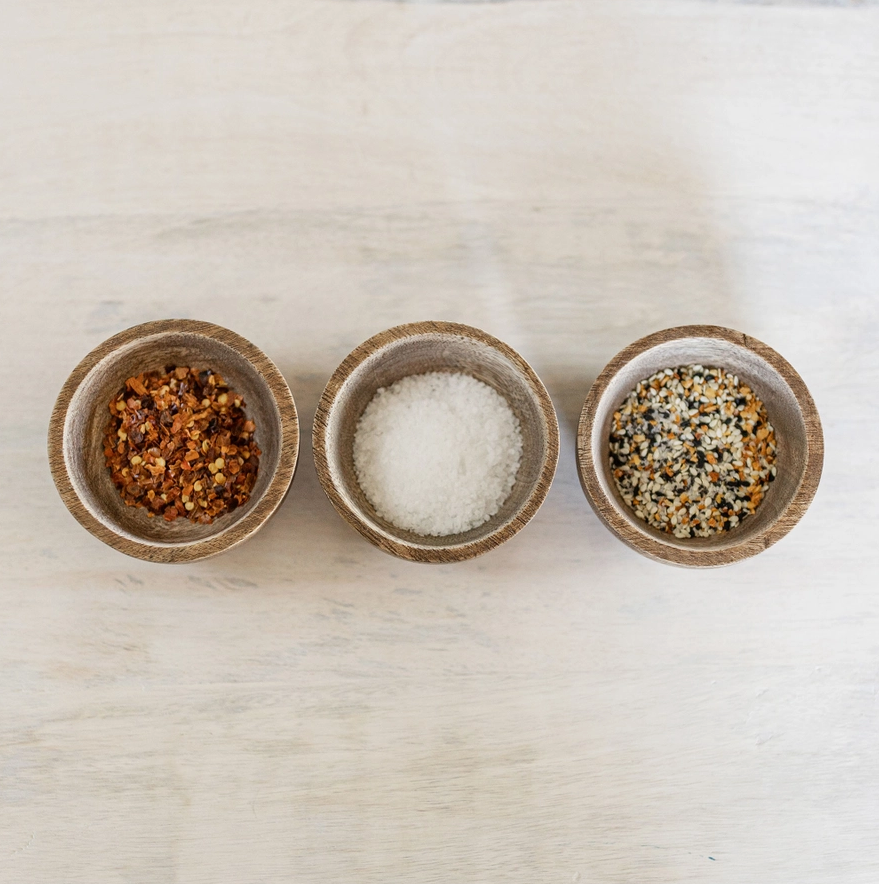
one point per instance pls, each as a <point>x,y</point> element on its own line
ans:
<point>168,438</point>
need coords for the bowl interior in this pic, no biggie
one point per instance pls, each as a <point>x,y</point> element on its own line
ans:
<point>781,405</point>
<point>419,354</point>
<point>88,415</point>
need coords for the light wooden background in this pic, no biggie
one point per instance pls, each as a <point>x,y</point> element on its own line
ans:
<point>568,176</point>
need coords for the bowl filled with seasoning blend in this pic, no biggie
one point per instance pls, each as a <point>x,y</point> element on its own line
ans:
<point>174,440</point>
<point>699,446</point>
<point>436,441</point>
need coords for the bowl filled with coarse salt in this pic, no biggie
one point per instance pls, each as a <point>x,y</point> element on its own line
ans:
<point>174,440</point>
<point>436,441</point>
<point>699,446</point>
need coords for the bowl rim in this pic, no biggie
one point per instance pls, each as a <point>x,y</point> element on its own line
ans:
<point>400,548</point>
<point>225,538</point>
<point>608,509</point>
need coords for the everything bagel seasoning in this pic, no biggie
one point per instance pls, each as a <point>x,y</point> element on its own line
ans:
<point>692,451</point>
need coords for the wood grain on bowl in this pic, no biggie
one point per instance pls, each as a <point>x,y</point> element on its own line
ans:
<point>79,419</point>
<point>791,410</point>
<point>417,348</point>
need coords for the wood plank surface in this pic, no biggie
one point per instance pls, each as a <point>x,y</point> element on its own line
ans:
<point>568,176</point>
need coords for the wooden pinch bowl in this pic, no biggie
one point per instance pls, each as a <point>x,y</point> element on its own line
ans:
<point>791,411</point>
<point>419,348</point>
<point>80,416</point>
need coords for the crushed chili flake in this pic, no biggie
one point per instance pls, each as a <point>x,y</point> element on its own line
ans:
<point>179,444</point>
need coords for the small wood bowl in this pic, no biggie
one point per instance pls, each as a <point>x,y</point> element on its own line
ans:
<point>418,348</point>
<point>79,419</point>
<point>792,412</point>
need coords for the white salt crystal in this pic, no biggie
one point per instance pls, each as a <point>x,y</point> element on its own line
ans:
<point>437,453</point>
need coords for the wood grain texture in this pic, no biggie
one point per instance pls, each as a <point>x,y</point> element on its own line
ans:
<point>792,413</point>
<point>79,420</point>
<point>569,176</point>
<point>418,348</point>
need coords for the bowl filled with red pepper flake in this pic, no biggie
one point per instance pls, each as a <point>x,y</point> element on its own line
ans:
<point>179,444</point>
<point>174,440</point>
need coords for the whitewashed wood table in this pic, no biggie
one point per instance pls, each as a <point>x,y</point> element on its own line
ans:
<point>567,176</point>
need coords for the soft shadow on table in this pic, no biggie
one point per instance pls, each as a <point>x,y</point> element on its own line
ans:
<point>307,546</point>
<point>568,286</point>
<point>305,537</point>
<point>567,222</point>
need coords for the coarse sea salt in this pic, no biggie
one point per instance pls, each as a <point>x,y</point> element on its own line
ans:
<point>437,453</point>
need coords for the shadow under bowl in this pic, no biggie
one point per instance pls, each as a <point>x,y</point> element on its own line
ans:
<point>80,417</point>
<point>418,348</point>
<point>792,413</point>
